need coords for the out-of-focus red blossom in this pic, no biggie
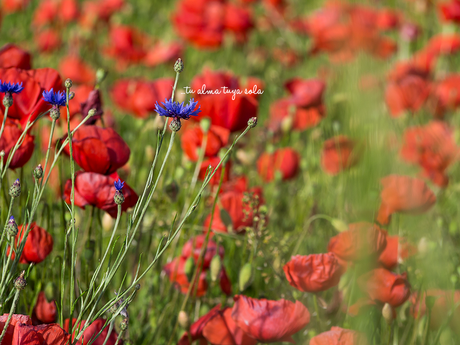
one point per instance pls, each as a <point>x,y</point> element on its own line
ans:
<point>163,52</point>
<point>51,334</point>
<point>287,57</point>
<point>38,246</point>
<point>138,97</point>
<point>433,148</point>
<point>396,250</point>
<point>82,93</point>
<point>55,12</point>
<point>403,194</point>
<point>269,321</point>
<point>385,286</point>
<point>409,32</point>
<point>450,11</point>
<point>192,139</point>
<point>213,162</point>
<point>286,161</point>
<point>193,248</point>
<point>48,40</point>
<point>13,56</point>
<point>11,6</point>
<point>304,107</point>
<point>196,329</point>
<point>339,336</point>
<point>388,19</point>
<point>222,330</point>
<point>16,320</point>
<point>77,70</point>
<point>127,45</point>
<point>231,201</point>
<point>175,270</point>
<point>443,45</point>
<point>93,101</point>
<point>29,101</point>
<point>338,154</point>
<point>228,110</point>
<point>99,11</point>
<point>44,311</point>
<point>360,241</point>
<point>98,190</point>
<point>203,23</point>
<point>314,272</point>
<point>445,96</point>
<point>100,150</point>
<point>10,136</point>
<point>442,307</point>
<point>90,333</point>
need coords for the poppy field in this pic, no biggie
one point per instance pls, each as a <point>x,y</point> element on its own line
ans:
<point>230,172</point>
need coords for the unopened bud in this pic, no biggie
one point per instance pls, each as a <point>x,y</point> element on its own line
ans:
<point>246,277</point>
<point>388,313</point>
<point>423,246</point>
<point>71,95</point>
<point>38,172</point>
<point>252,122</point>
<point>175,125</point>
<point>92,112</point>
<point>50,288</point>
<point>124,324</point>
<point>183,319</point>
<point>429,301</point>
<point>189,268</point>
<point>215,267</point>
<point>179,65</point>
<point>119,198</point>
<point>11,227</point>
<point>68,83</point>
<point>55,112</point>
<point>15,189</point>
<point>137,287</point>
<point>8,100</point>
<point>205,124</point>
<point>339,225</point>
<point>20,283</point>
<point>101,74</point>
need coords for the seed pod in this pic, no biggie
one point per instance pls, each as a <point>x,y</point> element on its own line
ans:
<point>215,267</point>
<point>246,277</point>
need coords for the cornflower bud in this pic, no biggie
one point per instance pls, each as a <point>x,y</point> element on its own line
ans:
<point>38,172</point>
<point>11,227</point>
<point>20,283</point>
<point>178,65</point>
<point>252,122</point>
<point>118,198</point>
<point>175,125</point>
<point>68,83</point>
<point>124,324</point>
<point>8,100</point>
<point>15,189</point>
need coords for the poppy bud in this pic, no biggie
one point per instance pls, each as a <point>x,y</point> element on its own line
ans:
<point>388,313</point>
<point>119,198</point>
<point>49,291</point>
<point>179,65</point>
<point>12,227</point>
<point>38,172</point>
<point>8,100</point>
<point>20,283</point>
<point>189,267</point>
<point>68,83</point>
<point>107,222</point>
<point>100,75</point>
<point>286,124</point>
<point>429,301</point>
<point>124,324</point>
<point>175,125</point>
<point>88,253</point>
<point>183,319</point>
<point>216,266</point>
<point>205,124</point>
<point>246,277</point>
<point>339,224</point>
<point>252,122</point>
<point>423,246</point>
<point>15,189</point>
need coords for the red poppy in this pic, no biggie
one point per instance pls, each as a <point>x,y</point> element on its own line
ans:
<point>388,19</point>
<point>269,321</point>
<point>403,194</point>
<point>385,286</point>
<point>51,334</point>
<point>51,12</point>
<point>192,139</point>
<point>38,246</point>
<point>13,56</point>
<point>283,112</point>
<point>286,161</point>
<point>92,331</point>
<point>10,136</point>
<point>48,40</point>
<point>175,270</point>
<point>360,241</point>
<point>443,45</point>
<point>99,150</point>
<point>338,154</point>
<point>193,247</point>
<point>287,57</point>
<point>450,11</point>
<point>98,190</point>
<point>139,97</point>
<point>44,311</point>
<point>306,93</point>
<point>445,96</point>
<point>314,272</point>
<point>196,329</point>
<point>29,101</point>
<point>396,250</point>
<point>222,330</point>
<point>163,52</point>
<point>77,70</point>
<point>11,6</point>
<point>339,336</point>
<point>16,320</point>
<point>99,11</point>
<point>93,101</point>
<point>127,45</point>
<point>238,20</point>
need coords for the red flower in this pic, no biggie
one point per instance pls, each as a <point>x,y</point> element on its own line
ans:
<point>100,150</point>
<point>306,93</point>
<point>163,52</point>
<point>314,272</point>
<point>193,247</point>
<point>29,101</point>
<point>9,139</point>
<point>192,139</point>
<point>98,190</point>
<point>445,96</point>
<point>90,333</point>
<point>44,311</point>
<point>450,11</point>
<point>269,321</point>
<point>11,6</point>
<point>77,70</point>
<point>127,45</point>
<point>139,97</point>
<point>16,320</point>
<point>196,329</point>
<point>38,246</point>
<point>48,40</point>
<point>222,330</point>
<point>385,286</point>
<point>403,194</point>
<point>13,56</point>
<point>51,12</point>
<point>397,249</point>
<point>360,241</point>
<point>339,336</point>
<point>286,161</point>
<point>52,334</point>
<point>175,270</point>
<point>338,154</point>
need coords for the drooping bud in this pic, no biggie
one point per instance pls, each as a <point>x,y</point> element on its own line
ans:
<point>246,277</point>
<point>11,227</point>
<point>15,189</point>
<point>20,282</point>
<point>215,267</point>
<point>388,313</point>
<point>68,83</point>
<point>55,112</point>
<point>38,172</point>
<point>252,122</point>
<point>183,319</point>
<point>179,65</point>
<point>101,74</point>
<point>8,100</point>
<point>90,247</point>
<point>339,224</point>
<point>50,288</point>
<point>175,125</point>
<point>189,268</point>
<point>124,324</point>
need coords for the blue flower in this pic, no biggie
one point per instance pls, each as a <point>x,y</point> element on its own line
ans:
<point>54,98</point>
<point>177,110</point>
<point>10,87</point>
<point>118,185</point>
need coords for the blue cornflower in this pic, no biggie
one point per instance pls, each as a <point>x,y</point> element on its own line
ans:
<point>118,185</point>
<point>10,87</point>
<point>54,98</point>
<point>177,110</point>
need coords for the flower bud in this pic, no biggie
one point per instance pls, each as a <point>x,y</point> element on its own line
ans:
<point>388,313</point>
<point>252,122</point>
<point>246,277</point>
<point>15,189</point>
<point>11,227</point>
<point>38,172</point>
<point>8,100</point>
<point>49,291</point>
<point>189,268</point>
<point>68,83</point>
<point>119,198</point>
<point>90,246</point>
<point>101,74</point>
<point>71,95</point>
<point>92,112</point>
<point>429,301</point>
<point>183,319</point>
<point>137,287</point>
<point>339,224</point>
<point>55,112</point>
<point>124,324</point>
<point>215,267</point>
<point>175,125</point>
<point>20,283</point>
<point>179,65</point>
<point>205,124</point>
